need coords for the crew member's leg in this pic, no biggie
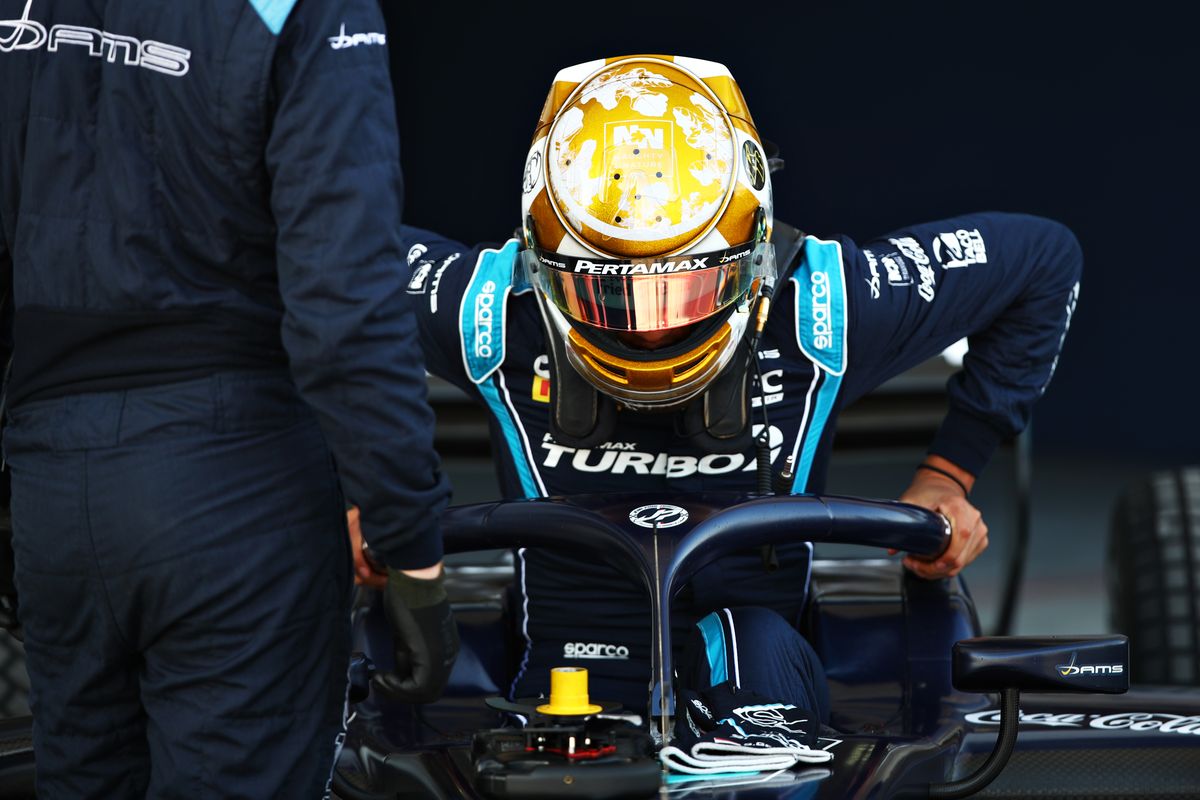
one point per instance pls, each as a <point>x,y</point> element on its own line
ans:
<point>89,729</point>
<point>217,536</point>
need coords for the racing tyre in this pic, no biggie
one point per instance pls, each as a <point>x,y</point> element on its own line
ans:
<point>1154,577</point>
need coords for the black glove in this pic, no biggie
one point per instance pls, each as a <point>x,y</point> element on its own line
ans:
<point>425,638</point>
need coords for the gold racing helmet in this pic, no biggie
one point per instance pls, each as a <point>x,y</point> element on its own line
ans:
<point>647,215</point>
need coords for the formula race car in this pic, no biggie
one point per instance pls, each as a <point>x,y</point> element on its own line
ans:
<point>922,704</point>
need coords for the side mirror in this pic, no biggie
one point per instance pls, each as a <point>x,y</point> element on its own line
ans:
<point>1091,664</point>
<point>1012,664</point>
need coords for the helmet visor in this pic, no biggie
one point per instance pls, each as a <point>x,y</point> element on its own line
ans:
<point>652,294</point>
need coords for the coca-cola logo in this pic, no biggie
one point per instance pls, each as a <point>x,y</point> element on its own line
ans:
<point>1139,721</point>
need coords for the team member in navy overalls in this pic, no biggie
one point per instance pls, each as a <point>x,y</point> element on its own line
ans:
<point>614,344</point>
<point>197,228</point>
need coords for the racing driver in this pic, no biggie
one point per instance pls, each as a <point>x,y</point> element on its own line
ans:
<point>618,343</point>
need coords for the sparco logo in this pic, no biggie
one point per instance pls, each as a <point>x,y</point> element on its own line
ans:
<point>595,650</point>
<point>1067,670</point>
<point>483,319</point>
<point>27,34</point>
<point>658,516</point>
<point>822,332</point>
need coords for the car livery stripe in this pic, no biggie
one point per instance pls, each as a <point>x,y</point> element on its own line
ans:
<point>273,12</point>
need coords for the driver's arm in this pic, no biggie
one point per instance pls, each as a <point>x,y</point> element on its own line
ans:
<point>441,271</point>
<point>1007,282</point>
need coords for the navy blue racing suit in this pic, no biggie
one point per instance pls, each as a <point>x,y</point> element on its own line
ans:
<point>198,243</point>
<point>845,318</point>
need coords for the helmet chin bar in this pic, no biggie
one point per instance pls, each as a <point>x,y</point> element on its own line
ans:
<point>716,414</point>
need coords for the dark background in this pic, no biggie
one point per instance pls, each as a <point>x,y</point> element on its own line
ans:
<point>888,115</point>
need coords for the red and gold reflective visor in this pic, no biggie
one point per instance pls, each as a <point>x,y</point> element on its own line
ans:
<point>651,294</point>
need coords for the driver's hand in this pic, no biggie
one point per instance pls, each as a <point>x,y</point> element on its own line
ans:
<point>364,573</point>
<point>968,532</point>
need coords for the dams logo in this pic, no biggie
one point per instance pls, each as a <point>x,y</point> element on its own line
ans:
<point>29,34</point>
<point>1068,670</point>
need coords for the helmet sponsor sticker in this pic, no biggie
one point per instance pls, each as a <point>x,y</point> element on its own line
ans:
<point>592,265</point>
<point>756,168</point>
<point>533,172</point>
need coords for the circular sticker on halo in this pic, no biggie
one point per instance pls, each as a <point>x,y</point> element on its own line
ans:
<point>659,515</point>
<point>756,167</point>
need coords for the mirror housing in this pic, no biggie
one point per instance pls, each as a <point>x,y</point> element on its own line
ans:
<point>1085,664</point>
<point>1014,664</point>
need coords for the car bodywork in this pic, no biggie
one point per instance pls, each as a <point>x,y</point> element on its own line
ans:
<point>884,636</point>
